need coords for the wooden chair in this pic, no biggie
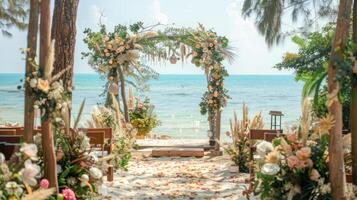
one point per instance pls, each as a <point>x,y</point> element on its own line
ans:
<point>257,134</point>
<point>7,131</point>
<point>102,138</point>
<point>9,144</point>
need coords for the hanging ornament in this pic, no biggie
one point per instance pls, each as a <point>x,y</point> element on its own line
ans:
<point>173,59</point>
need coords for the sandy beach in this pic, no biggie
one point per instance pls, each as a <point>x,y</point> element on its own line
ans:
<point>177,178</point>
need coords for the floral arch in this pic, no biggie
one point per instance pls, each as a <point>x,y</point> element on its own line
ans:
<point>124,52</point>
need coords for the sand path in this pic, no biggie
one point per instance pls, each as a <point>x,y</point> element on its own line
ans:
<point>178,178</point>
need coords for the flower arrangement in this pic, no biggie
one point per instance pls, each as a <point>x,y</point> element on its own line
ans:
<point>19,176</point>
<point>297,167</point>
<point>239,149</point>
<point>142,117</point>
<point>102,117</point>
<point>47,90</point>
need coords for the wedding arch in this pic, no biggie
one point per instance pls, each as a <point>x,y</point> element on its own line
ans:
<point>124,51</point>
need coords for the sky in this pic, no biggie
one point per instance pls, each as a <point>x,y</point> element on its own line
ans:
<point>224,16</point>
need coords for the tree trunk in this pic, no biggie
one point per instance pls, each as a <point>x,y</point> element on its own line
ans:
<point>30,56</point>
<point>123,94</point>
<point>353,109</point>
<point>336,159</point>
<point>217,131</point>
<point>64,33</point>
<point>49,158</point>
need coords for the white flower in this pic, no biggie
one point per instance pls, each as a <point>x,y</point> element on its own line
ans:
<point>30,150</point>
<point>29,173</point>
<point>59,169</point>
<point>84,180</point>
<point>37,139</point>
<point>326,188</point>
<point>95,173</point>
<point>263,148</point>
<point>93,157</point>
<point>33,83</point>
<point>2,158</point>
<point>71,180</point>
<point>56,91</point>
<point>12,188</point>
<point>270,169</point>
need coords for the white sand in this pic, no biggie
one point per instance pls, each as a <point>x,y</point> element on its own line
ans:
<point>178,178</point>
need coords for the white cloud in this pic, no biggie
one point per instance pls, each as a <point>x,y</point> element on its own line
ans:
<point>158,15</point>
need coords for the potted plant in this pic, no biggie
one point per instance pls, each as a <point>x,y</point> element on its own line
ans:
<point>143,118</point>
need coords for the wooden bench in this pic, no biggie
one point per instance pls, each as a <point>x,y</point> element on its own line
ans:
<point>102,138</point>
<point>9,144</point>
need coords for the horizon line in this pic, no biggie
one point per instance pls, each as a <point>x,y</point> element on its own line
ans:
<point>92,73</point>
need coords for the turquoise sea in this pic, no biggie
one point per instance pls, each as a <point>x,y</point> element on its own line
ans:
<point>176,99</point>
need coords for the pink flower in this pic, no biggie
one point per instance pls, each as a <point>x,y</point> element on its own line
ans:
<point>314,175</point>
<point>292,137</point>
<point>68,194</point>
<point>44,184</point>
<point>300,165</point>
<point>309,163</point>
<point>293,161</point>
<point>304,153</point>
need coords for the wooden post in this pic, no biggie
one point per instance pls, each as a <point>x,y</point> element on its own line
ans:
<point>217,131</point>
<point>29,113</point>
<point>336,159</point>
<point>49,157</point>
<point>353,108</point>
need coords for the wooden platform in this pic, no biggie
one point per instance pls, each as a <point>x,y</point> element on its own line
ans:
<point>174,143</point>
<point>178,152</point>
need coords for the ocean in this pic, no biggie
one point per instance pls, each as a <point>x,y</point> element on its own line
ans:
<point>176,99</point>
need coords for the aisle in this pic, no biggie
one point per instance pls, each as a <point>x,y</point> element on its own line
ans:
<point>178,178</point>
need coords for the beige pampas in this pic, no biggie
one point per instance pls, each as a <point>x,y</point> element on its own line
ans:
<point>306,119</point>
<point>131,98</point>
<point>40,194</point>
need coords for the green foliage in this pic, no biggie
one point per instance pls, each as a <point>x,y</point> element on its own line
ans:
<point>13,13</point>
<point>269,16</point>
<point>310,66</point>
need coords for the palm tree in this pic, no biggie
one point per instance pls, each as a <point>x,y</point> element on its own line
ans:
<point>269,14</point>
<point>13,13</point>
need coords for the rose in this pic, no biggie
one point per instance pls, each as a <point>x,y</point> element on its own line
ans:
<point>291,137</point>
<point>292,161</point>
<point>44,184</point>
<point>270,169</point>
<point>309,163</point>
<point>43,85</point>
<point>68,194</point>
<point>33,83</point>
<point>29,150</point>
<point>304,153</point>
<point>314,175</point>
<point>29,173</point>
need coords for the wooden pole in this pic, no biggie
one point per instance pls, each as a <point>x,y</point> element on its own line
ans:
<point>336,159</point>
<point>49,157</point>
<point>29,113</point>
<point>218,129</point>
<point>123,94</point>
<point>353,108</point>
